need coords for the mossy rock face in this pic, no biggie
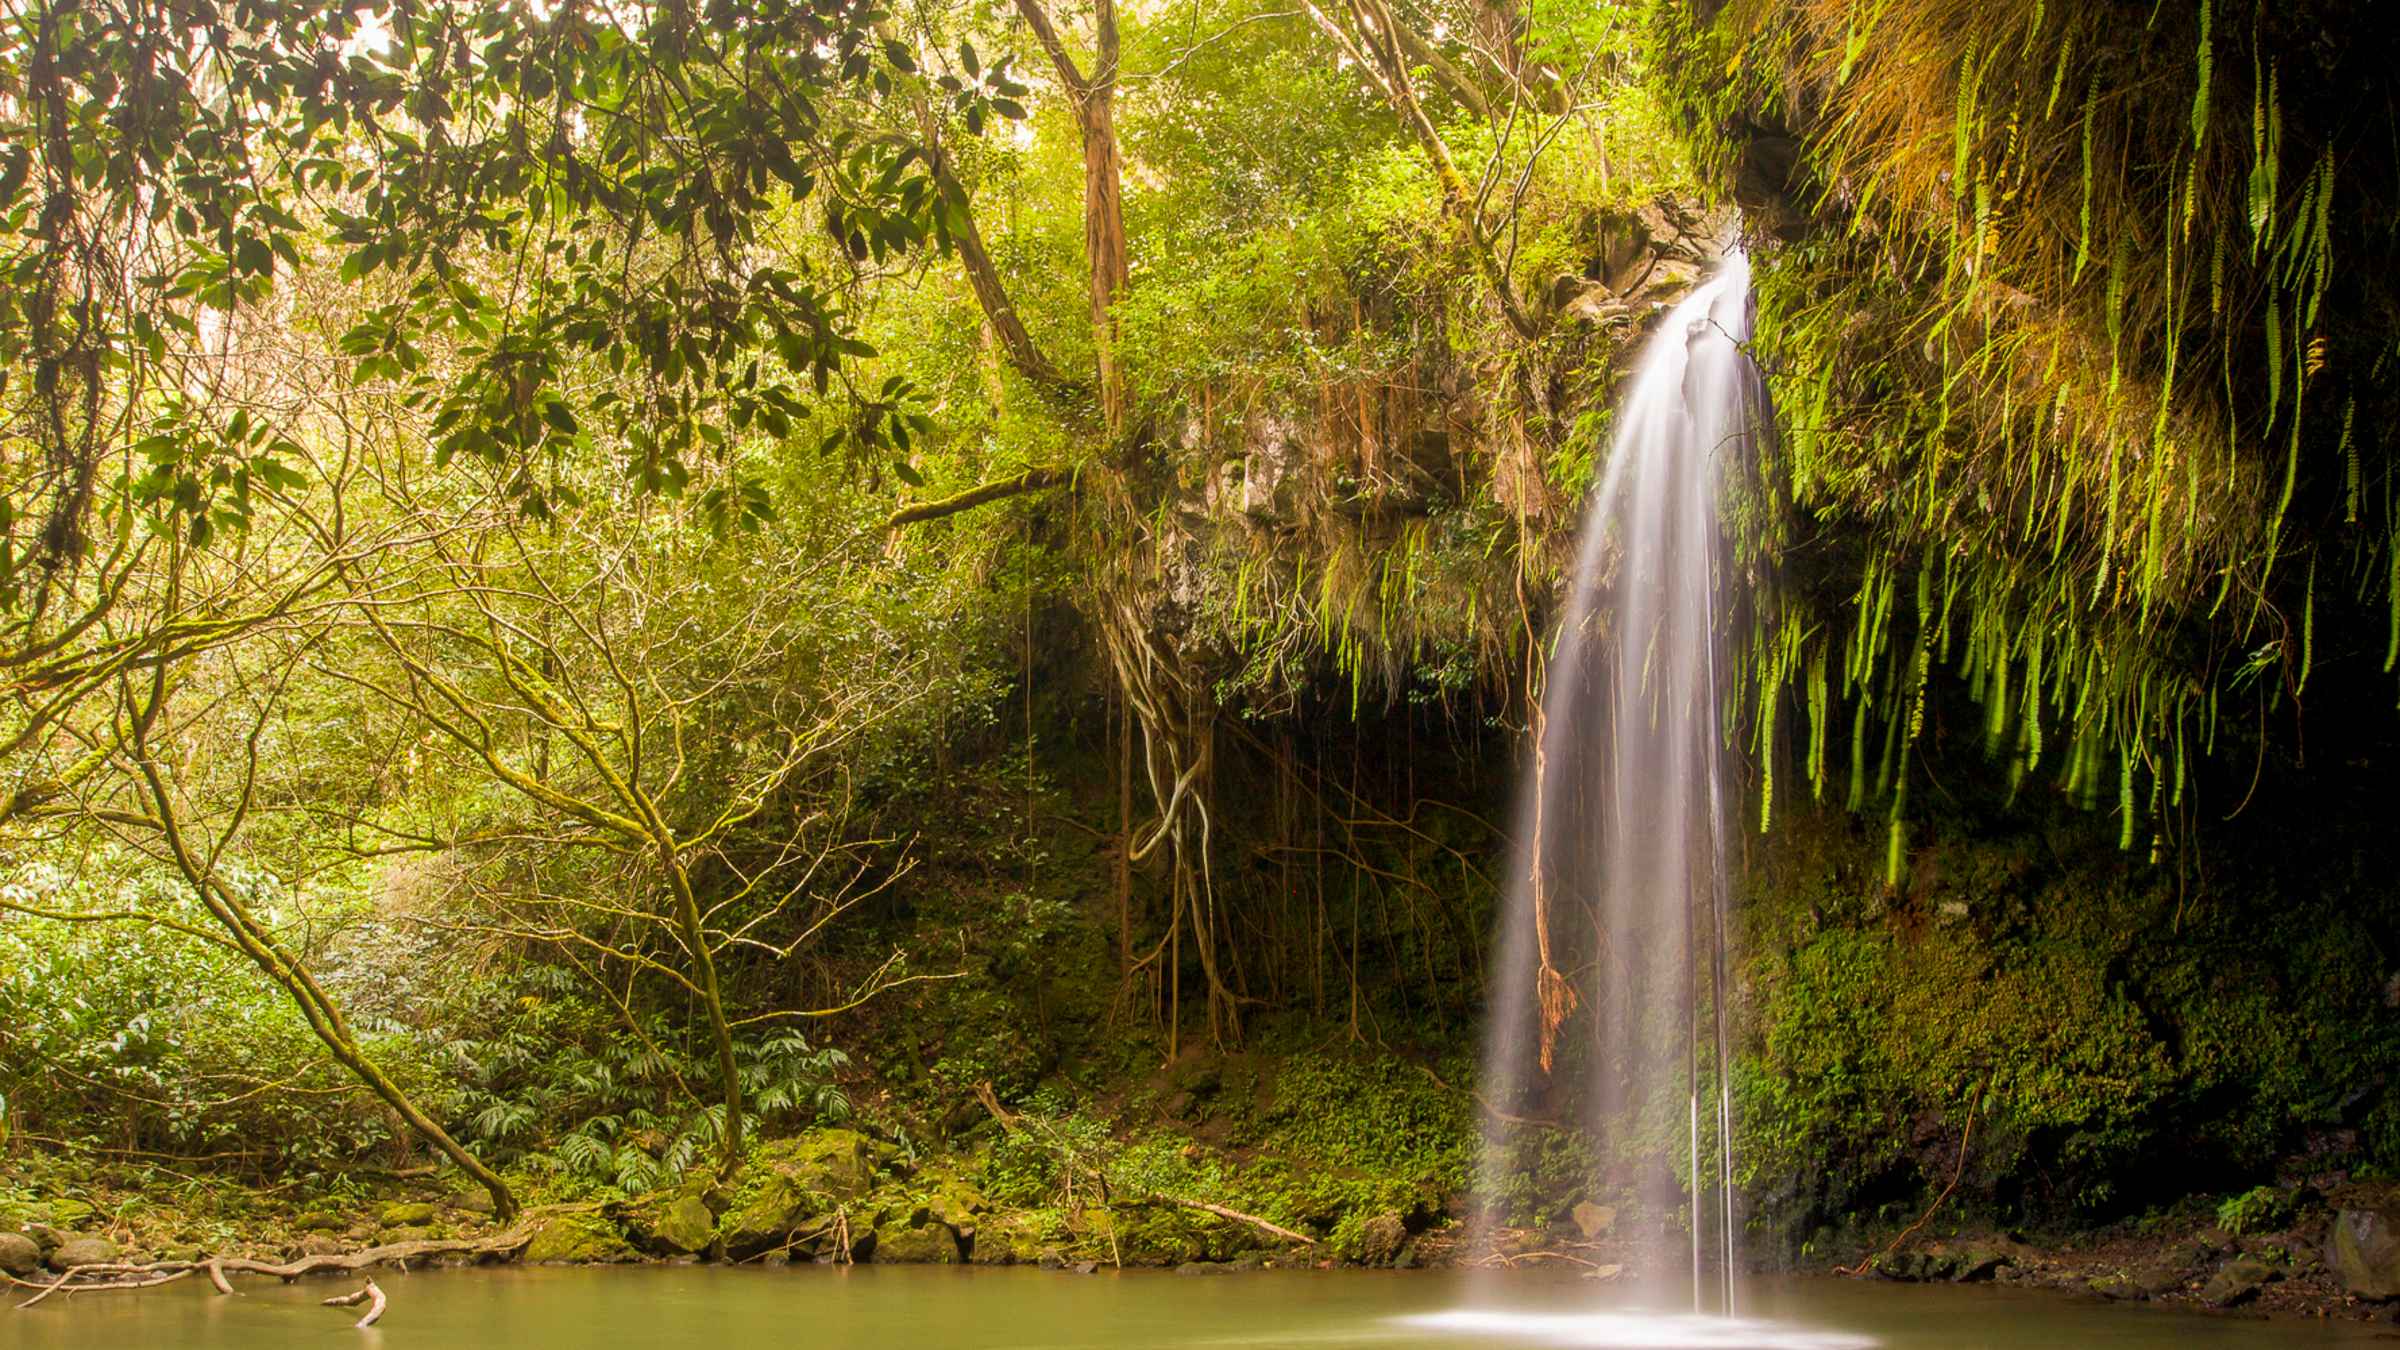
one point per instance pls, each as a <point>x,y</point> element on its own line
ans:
<point>837,1163</point>
<point>577,1239</point>
<point>956,1203</point>
<point>793,1180</point>
<point>927,1243</point>
<point>407,1215</point>
<point>1008,1240</point>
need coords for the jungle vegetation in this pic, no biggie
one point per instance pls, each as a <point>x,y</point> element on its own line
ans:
<point>579,583</point>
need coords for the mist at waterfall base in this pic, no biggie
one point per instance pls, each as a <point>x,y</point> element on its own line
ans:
<point>1605,1005</point>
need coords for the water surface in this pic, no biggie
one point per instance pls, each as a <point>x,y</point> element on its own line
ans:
<point>904,1308</point>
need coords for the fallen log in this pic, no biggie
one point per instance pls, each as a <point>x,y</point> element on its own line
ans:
<point>139,1282</point>
<point>1237,1216</point>
<point>118,1275</point>
<point>372,1296</point>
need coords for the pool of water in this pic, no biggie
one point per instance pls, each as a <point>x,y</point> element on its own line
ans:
<point>904,1308</point>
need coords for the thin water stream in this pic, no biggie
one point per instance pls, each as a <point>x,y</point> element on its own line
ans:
<point>904,1308</point>
<point>1613,949</point>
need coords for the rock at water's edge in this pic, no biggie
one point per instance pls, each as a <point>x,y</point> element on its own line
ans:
<point>2237,1282</point>
<point>83,1251</point>
<point>2365,1252</point>
<point>576,1238</point>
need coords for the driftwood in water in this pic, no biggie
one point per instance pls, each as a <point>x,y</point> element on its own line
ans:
<point>117,1275</point>
<point>125,1279</point>
<point>372,1296</point>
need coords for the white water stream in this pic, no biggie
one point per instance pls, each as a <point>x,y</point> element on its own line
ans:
<point>1613,952</point>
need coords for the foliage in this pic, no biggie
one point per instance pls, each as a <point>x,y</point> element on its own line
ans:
<point>137,1041</point>
<point>560,1085</point>
<point>2072,342</point>
<point>2261,1209</point>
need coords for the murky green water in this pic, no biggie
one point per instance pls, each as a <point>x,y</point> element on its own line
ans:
<point>901,1308</point>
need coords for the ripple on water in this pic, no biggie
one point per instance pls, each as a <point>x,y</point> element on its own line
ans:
<point>1635,1330</point>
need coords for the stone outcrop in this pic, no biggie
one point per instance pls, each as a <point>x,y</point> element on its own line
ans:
<point>2365,1249</point>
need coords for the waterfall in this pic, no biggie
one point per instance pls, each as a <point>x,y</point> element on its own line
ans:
<point>1610,991</point>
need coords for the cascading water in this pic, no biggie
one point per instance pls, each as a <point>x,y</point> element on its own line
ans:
<point>1613,961</point>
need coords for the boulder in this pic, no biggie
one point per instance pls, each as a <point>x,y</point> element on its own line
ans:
<point>956,1204</point>
<point>318,1244</point>
<point>407,1215</point>
<point>770,1207</point>
<point>840,1164</point>
<point>2237,1281</point>
<point>2365,1251</point>
<point>1381,1238</point>
<point>83,1251</point>
<point>683,1226</point>
<point>576,1239</point>
<point>1593,1221</point>
<point>2159,1279</point>
<point>320,1221</point>
<point>19,1254</point>
<point>473,1202</point>
<point>2116,1286</point>
<point>924,1244</point>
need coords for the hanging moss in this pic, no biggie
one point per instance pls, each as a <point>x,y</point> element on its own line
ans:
<point>2069,312</point>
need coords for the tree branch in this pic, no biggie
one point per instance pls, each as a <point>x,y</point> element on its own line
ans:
<point>1038,479</point>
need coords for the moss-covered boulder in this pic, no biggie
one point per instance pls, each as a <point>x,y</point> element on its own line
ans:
<point>922,1243</point>
<point>320,1221</point>
<point>836,1163</point>
<point>681,1226</point>
<point>577,1239</point>
<point>83,1251</point>
<point>19,1254</point>
<point>765,1213</point>
<point>407,1215</point>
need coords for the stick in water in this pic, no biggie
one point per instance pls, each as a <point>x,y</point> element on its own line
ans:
<point>372,1296</point>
